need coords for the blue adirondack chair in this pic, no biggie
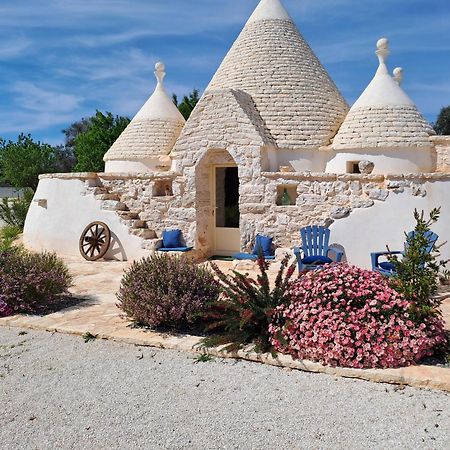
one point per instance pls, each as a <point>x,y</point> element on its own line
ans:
<point>387,268</point>
<point>315,250</point>
<point>171,242</point>
<point>263,244</point>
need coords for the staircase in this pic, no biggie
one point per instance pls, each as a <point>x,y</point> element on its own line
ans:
<point>136,226</point>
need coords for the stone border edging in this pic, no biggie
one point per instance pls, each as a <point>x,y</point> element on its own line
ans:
<point>431,377</point>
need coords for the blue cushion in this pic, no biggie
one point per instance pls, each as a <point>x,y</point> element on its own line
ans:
<point>317,260</point>
<point>172,239</point>
<point>175,249</point>
<point>263,243</point>
<point>386,265</point>
<point>249,256</point>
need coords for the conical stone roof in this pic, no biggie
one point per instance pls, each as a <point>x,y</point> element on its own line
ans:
<point>153,131</point>
<point>384,116</point>
<point>296,98</point>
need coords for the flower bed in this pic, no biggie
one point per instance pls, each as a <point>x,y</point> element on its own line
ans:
<point>346,316</point>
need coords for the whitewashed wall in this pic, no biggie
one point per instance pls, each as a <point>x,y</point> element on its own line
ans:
<point>65,211</point>
<point>370,230</point>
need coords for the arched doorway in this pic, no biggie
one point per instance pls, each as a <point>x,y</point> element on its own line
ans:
<point>217,204</point>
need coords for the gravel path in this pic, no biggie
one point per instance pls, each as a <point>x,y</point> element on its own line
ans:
<point>58,392</point>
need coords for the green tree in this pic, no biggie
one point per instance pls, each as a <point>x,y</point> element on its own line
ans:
<point>23,161</point>
<point>188,103</point>
<point>442,125</point>
<point>92,144</point>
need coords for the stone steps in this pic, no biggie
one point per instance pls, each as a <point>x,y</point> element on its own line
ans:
<point>131,219</point>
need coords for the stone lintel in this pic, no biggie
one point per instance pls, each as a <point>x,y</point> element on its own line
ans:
<point>137,176</point>
<point>69,176</point>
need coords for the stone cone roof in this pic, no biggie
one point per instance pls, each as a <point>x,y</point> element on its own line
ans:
<point>296,98</point>
<point>154,129</point>
<point>384,116</point>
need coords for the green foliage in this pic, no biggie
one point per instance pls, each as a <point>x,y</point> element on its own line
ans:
<point>202,358</point>
<point>88,336</point>
<point>244,313</point>
<point>8,235</point>
<point>92,144</point>
<point>417,273</point>
<point>23,161</point>
<point>188,103</point>
<point>442,125</point>
<point>14,211</point>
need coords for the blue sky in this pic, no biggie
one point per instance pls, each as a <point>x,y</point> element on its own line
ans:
<point>62,59</point>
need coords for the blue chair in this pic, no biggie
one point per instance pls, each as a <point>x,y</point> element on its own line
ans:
<point>172,242</point>
<point>387,268</point>
<point>262,244</point>
<point>315,248</point>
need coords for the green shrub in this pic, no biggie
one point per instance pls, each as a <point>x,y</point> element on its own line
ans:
<point>417,272</point>
<point>244,312</point>
<point>32,282</point>
<point>14,211</point>
<point>168,291</point>
<point>8,235</point>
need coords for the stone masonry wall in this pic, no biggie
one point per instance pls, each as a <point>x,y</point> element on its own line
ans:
<point>321,199</point>
<point>442,145</point>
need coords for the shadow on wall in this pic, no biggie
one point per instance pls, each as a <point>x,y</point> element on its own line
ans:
<point>116,250</point>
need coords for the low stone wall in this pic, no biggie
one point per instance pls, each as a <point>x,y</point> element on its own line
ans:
<point>317,198</point>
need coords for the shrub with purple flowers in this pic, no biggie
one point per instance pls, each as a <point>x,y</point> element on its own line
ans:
<point>31,282</point>
<point>351,317</point>
<point>167,291</point>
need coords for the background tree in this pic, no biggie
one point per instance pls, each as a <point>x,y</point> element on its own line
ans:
<point>442,125</point>
<point>23,161</point>
<point>188,103</point>
<point>92,144</point>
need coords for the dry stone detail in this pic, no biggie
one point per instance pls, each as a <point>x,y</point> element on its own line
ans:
<point>296,98</point>
<point>383,127</point>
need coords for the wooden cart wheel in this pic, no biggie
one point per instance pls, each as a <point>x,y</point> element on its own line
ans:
<point>95,241</point>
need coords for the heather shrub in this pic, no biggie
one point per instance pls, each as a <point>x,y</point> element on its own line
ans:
<point>165,290</point>
<point>351,317</point>
<point>31,282</point>
<point>244,311</point>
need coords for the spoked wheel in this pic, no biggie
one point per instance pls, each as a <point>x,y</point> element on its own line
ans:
<point>95,241</point>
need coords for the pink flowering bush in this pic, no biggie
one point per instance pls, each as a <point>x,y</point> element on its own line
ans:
<point>351,317</point>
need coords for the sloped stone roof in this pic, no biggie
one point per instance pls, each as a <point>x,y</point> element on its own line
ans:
<point>384,116</point>
<point>296,98</point>
<point>222,118</point>
<point>153,131</point>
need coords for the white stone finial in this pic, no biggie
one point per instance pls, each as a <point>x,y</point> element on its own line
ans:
<point>160,72</point>
<point>398,75</point>
<point>382,50</point>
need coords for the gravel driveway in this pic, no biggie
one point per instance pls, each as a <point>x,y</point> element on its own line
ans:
<point>57,391</point>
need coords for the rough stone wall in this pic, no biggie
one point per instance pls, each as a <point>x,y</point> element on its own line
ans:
<point>299,103</point>
<point>442,146</point>
<point>321,199</point>
<point>383,127</point>
<point>144,139</point>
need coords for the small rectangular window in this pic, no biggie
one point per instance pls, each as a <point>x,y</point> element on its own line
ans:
<point>353,167</point>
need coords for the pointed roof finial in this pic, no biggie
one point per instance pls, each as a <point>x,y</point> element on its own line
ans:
<point>160,72</point>
<point>269,10</point>
<point>383,53</point>
<point>398,75</point>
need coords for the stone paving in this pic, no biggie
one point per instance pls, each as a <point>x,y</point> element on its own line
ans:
<point>95,286</point>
